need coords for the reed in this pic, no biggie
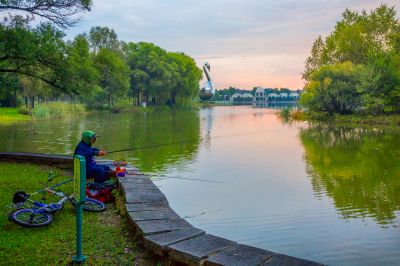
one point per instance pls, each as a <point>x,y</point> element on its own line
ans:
<point>57,110</point>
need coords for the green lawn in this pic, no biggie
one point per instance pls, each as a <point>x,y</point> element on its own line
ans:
<point>105,235</point>
<point>9,115</point>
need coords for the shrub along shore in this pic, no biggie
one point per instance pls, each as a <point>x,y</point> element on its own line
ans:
<point>351,119</point>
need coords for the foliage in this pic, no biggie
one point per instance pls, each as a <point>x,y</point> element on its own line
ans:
<point>158,76</point>
<point>103,37</point>
<point>95,68</point>
<point>356,68</point>
<point>336,88</point>
<point>114,75</point>
<point>57,110</point>
<point>35,52</point>
<point>60,12</point>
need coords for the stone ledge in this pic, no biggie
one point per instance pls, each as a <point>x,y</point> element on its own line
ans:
<point>162,230</point>
<point>61,161</point>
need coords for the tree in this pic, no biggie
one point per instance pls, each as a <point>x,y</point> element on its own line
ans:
<point>149,73</point>
<point>103,37</point>
<point>38,53</point>
<point>113,73</point>
<point>367,45</point>
<point>186,77</point>
<point>60,12</point>
<point>314,61</point>
<point>80,67</point>
<point>336,89</point>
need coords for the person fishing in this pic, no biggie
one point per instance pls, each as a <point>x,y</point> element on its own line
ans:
<point>100,173</point>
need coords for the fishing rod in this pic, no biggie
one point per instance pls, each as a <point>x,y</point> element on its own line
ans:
<point>151,146</point>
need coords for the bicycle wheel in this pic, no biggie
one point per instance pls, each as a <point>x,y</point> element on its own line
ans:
<point>28,218</point>
<point>93,205</point>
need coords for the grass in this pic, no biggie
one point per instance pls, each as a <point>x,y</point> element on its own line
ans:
<point>57,110</point>
<point>289,114</point>
<point>106,240</point>
<point>10,115</point>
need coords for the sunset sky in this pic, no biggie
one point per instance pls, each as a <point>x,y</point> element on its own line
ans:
<point>247,43</point>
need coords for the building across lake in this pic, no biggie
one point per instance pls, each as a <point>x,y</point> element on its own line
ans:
<point>263,95</point>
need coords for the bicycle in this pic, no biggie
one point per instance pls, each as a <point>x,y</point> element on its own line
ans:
<point>33,214</point>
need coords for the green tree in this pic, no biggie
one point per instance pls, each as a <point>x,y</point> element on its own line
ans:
<point>336,89</point>
<point>103,37</point>
<point>63,13</point>
<point>314,61</point>
<point>80,68</point>
<point>39,53</point>
<point>113,73</point>
<point>370,41</point>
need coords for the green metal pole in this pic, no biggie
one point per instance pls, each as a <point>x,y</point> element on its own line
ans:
<point>79,194</point>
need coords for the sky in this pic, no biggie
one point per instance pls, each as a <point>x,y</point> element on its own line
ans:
<point>248,43</point>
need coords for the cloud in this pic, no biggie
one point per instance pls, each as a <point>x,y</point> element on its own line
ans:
<point>248,43</point>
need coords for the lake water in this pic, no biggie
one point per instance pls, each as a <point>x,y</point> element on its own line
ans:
<point>317,191</point>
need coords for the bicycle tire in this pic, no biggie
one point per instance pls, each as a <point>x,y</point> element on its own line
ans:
<point>35,220</point>
<point>93,205</point>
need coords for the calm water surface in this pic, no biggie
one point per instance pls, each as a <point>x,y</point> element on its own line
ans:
<point>317,191</point>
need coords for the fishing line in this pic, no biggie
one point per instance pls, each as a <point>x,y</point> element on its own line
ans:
<point>180,142</point>
<point>184,178</point>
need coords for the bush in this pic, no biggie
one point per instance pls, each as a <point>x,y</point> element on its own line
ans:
<point>57,110</point>
<point>23,110</point>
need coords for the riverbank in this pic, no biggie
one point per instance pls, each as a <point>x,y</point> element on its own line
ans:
<point>107,241</point>
<point>10,115</point>
<point>353,119</point>
<point>159,228</point>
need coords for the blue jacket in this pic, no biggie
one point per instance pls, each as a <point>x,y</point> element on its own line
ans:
<point>88,152</point>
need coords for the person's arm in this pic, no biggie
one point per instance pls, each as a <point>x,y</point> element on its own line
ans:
<point>86,151</point>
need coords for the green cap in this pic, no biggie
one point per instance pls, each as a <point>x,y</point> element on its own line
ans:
<point>87,135</point>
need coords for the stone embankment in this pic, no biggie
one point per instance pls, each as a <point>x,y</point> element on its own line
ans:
<point>162,231</point>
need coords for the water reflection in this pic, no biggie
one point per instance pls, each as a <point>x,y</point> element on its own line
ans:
<point>357,167</point>
<point>116,131</point>
<point>276,105</point>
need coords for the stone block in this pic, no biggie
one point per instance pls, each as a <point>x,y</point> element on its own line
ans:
<point>162,214</point>
<point>146,228</point>
<point>151,206</point>
<point>158,243</point>
<point>139,196</point>
<point>239,255</point>
<point>195,250</point>
<point>283,260</point>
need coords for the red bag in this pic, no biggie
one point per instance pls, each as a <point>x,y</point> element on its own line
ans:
<point>101,192</point>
